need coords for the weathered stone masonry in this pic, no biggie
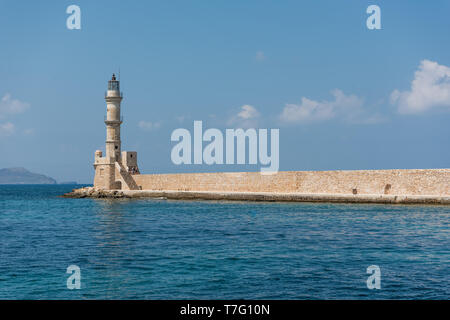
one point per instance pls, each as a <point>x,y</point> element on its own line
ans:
<point>393,182</point>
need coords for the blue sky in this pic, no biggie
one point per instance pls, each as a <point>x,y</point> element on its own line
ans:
<point>343,96</point>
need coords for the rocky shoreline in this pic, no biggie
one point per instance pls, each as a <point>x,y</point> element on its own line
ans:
<point>90,192</point>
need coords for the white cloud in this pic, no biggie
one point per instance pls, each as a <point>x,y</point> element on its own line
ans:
<point>247,117</point>
<point>260,57</point>
<point>148,126</point>
<point>11,106</point>
<point>429,89</point>
<point>6,129</point>
<point>248,112</point>
<point>345,106</point>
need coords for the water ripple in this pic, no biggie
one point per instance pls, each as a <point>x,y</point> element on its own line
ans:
<point>159,249</point>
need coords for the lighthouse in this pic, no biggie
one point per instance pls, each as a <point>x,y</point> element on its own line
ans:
<point>116,169</point>
<point>113,119</point>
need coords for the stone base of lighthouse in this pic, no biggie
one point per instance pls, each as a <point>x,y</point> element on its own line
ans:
<point>116,174</point>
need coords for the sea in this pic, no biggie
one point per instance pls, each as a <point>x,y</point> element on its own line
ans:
<point>165,249</point>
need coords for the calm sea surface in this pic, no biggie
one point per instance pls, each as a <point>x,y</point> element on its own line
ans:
<point>159,249</point>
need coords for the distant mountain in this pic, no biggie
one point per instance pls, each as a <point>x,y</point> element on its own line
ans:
<point>23,176</point>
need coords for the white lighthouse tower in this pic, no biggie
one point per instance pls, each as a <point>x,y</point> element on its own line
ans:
<point>113,119</point>
<point>114,171</point>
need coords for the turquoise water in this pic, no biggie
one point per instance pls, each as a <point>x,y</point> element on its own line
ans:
<point>159,249</point>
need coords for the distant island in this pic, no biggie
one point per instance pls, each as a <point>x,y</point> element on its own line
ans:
<point>23,176</point>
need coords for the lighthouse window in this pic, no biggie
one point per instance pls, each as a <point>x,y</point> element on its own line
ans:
<point>113,85</point>
<point>116,147</point>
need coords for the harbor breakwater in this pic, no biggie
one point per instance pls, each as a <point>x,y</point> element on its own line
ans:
<point>430,186</point>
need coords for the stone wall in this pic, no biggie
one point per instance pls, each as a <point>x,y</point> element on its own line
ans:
<point>393,182</point>
<point>104,176</point>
